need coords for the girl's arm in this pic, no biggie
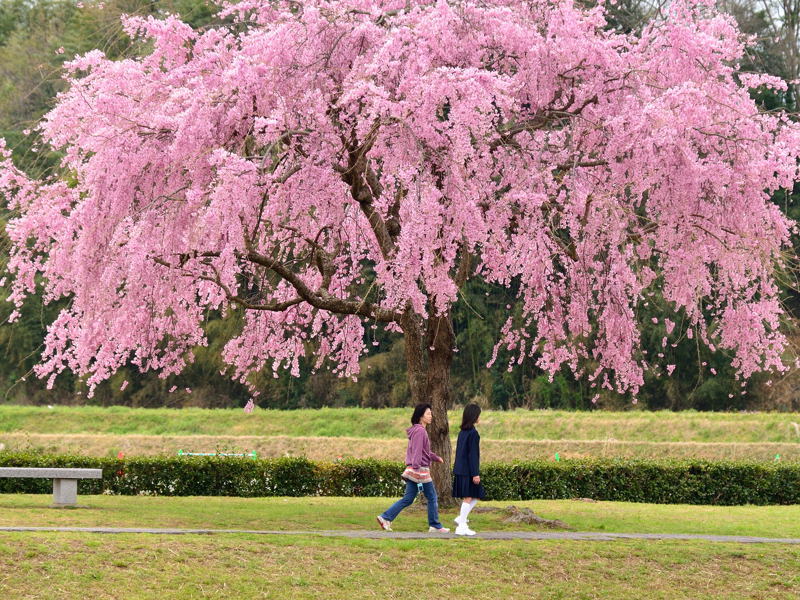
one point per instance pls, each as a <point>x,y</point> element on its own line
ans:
<point>474,454</point>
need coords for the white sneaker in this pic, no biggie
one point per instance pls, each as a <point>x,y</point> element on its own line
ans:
<point>385,525</point>
<point>442,530</point>
<point>464,530</point>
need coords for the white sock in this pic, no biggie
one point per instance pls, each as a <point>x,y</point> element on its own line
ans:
<point>472,503</point>
<point>466,507</point>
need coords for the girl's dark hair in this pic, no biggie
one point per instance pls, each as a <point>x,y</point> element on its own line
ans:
<point>471,414</point>
<point>419,410</point>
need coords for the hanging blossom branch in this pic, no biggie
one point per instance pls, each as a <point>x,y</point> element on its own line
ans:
<point>323,165</point>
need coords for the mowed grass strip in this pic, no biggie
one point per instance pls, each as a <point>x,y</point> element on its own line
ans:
<point>634,425</point>
<point>69,565</point>
<point>331,448</point>
<point>305,514</point>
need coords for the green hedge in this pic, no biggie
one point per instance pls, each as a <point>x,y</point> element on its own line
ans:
<point>663,481</point>
<point>212,476</point>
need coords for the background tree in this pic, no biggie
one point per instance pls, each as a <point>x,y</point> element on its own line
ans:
<point>328,167</point>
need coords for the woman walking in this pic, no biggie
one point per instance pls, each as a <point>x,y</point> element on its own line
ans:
<point>467,470</point>
<point>418,472</point>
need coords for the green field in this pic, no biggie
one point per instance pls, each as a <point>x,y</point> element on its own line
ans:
<point>58,565</point>
<point>326,434</point>
<point>690,426</point>
<point>330,448</point>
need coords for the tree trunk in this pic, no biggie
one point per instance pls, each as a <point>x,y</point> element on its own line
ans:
<point>411,325</point>
<point>429,381</point>
<point>440,342</point>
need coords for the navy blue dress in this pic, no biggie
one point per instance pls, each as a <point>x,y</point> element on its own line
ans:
<point>468,464</point>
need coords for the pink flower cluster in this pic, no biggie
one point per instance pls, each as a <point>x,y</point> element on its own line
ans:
<point>323,166</point>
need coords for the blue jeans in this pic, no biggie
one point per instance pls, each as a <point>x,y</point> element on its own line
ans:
<point>411,492</point>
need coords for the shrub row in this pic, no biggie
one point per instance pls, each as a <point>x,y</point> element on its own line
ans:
<point>663,481</point>
<point>212,476</point>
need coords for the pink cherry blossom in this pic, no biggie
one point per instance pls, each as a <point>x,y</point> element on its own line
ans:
<point>321,167</point>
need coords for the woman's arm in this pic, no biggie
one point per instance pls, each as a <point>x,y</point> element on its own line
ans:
<point>416,447</point>
<point>427,449</point>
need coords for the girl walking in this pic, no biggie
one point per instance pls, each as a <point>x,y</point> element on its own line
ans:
<point>467,470</point>
<point>418,472</point>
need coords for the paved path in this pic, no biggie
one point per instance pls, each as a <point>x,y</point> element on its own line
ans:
<point>407,535</point>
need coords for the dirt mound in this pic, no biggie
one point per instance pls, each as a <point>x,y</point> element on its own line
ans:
<point>527,516</point>
<point>514,514</point>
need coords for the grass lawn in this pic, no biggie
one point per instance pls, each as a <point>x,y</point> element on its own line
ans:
<point>57,566</point>
<point>316,513</point>
<point>634,425</point>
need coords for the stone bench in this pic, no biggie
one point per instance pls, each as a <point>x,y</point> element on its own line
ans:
<point>65,481</point>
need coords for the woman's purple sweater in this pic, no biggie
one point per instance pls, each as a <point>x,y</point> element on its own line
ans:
<point>419,452</point>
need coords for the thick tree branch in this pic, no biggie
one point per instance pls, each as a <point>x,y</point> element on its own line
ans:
<point>365,188</point>
<point>322,299</point>
<point>464,267</point>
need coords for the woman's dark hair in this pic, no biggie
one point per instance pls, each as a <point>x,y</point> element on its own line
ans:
<point>419,410</point>
<point>471,414</point>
